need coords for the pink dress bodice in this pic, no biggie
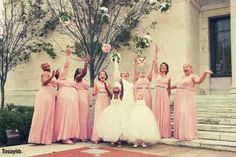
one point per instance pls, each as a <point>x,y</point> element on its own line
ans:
<point>162,81</point>
<point>101,88</point>
<point>142,83</point>
<point>186,83</point>
<point>52,83</point>
<point>83,85</point>
<point>65,83</point>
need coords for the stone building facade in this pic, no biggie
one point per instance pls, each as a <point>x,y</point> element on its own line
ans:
<point>199,32</point>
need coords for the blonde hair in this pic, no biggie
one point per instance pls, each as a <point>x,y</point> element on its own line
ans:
<point>189,66</point>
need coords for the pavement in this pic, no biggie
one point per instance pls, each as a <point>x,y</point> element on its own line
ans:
<point>158,149</point>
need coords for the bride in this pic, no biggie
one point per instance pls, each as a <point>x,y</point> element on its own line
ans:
<point>128,94</point>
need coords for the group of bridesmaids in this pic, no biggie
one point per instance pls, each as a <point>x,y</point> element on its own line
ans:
<point>125,112</point>
<point>61,111</point>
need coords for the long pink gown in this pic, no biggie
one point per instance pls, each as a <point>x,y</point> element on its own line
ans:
<point>185,115</point>
<point>84,117</point>
<point>42,123</point>
<point>144,85</point>
<point>102,101</point>
<point>161,106</point>
<point>66,123</point>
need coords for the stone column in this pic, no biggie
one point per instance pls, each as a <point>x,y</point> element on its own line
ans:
<point>233,45</point>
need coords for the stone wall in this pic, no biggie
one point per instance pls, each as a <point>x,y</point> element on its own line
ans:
<point>182,35</point>
<point>213,85</point>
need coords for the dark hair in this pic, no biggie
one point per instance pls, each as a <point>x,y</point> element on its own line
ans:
<point>57,73</point>
<point>105,74</point>
<point>77,72</point>
<point>124,72</point>
<point>167,66</point>
<point>42,66</point>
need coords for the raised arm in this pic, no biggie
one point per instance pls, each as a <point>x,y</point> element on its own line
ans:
<point>64,73</point>
<point>46,78</point>
<point>156,70</point>
<point>149,76</point>
<point>116,71</point>
<point>135,70</point>
<point>84,71</point>
<point>202,77</point>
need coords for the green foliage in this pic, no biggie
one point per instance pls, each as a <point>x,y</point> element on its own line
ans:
<point>64,16</point>
<point>78,49</point>
<point>141,42</point>
<point>165,5</point>
<point>49,25</point>
<point>122,38</point>
<point>40,46</point>
<point>15,117</point>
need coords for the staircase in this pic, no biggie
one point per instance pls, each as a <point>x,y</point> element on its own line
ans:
<point>216,124</point>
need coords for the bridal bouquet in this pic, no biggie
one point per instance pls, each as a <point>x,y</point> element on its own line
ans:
<point>141,43</point>
<point>64,18</point>
<point>115,56</point>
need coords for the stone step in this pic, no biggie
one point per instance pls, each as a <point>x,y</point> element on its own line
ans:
<point>220,121</point>
<point>214,128</point>
<point>217,121</point>
<point>217,115</point>
<point>220,136</point>
<point>214,115</point>
<point>216,110</point>
<point>201,143</point>
<point>221,106</point>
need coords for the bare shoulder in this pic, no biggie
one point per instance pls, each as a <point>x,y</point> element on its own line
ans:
<point>45,73</point>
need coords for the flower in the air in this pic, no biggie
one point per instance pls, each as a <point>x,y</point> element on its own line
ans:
<point>115,56</point>
<point>103,10</point>
<point>105,18</point>
<point>148,37</point>
<point>141,61</point>
<point>152,2</point>
<point>106,48</point>
<point>163,7</point>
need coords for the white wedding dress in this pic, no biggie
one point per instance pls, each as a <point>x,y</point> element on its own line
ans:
<point>142,124</point>
<point>128,95</point>
<point>113,123</point>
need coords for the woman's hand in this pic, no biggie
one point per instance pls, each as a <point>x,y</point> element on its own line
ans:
<point>209,72</point>
<point>53,73</point>
<point>68,52</point>
<point>157,49</point>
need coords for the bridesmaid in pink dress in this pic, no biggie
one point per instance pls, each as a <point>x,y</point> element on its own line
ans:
<point>142,83</point>
<point>42,124</point>
<point>185,114</point>
<point>101,90</point>
<point>83,94</point>
<point>161,106</point>
<point>66,113</point>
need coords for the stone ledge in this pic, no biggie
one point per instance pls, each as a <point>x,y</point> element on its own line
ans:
<point>200,143</point>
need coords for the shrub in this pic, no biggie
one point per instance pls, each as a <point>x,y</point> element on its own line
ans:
<point>15,117</point>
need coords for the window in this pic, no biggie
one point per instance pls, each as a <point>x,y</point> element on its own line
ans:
<point>220,46</point>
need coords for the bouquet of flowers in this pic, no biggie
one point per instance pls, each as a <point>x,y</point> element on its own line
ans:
<point>106,48</point>
<point>164,5</point>
<point>115,56</point>
<point>103,12</point>
<point>64,18</point>
<point>141,43</point>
